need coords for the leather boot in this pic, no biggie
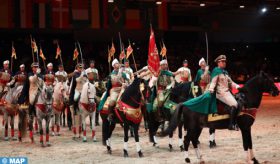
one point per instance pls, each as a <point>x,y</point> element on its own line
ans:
<point>232,118</point>
<point>110,113</point>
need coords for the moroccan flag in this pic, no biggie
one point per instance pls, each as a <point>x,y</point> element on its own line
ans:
<point>122,54</point>
<point>34,45</point>
<point>129,51</point>
<point>58,52</point>
<point>42,54</point>
<point>163,50</point>
<point>14,55</point>
<point>76,54</point>
<point>153,57</point>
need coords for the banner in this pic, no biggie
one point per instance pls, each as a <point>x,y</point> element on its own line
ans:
<point>153,57</point>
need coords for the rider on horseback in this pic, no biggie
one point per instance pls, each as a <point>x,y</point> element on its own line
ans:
<point>184,72</point>
<point>5,78</point>
<point>93,70</point>
<point>117,80</point>
<point>20,76</point>
<point>203,75</point>
<point>49,75</point>
<point>61,75</point>
<point>128,71</point>
<point>221,83</point>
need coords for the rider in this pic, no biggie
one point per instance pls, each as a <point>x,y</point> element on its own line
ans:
<point>6,77</point>
<point>128,71</point>
<point>117,80</point>
<point>185,73</point>
<point>20,76</point>
<point>93,70</point>
<point>221,83</point>
<point>61,75</point>
<point>49,75</point>
<point>203,75</point>
<point>164,83</point>
<point>32,89</point>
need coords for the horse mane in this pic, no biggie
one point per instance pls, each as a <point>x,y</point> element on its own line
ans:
<point>132,95</point>
<point>180,91</point>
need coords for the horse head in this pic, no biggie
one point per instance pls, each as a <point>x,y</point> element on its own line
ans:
<point>91,93</point>
<point>268,84</point>
<point>48,96</point>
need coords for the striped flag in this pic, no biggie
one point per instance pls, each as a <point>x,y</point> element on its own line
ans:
<point>60,14</point>
<point>112,50</point>
<point>76,54</point>
<point>58,52</point>
<point>34,45</point>
<point>122,54</point>
<point>6,14</point>
<point>42,54</point>
<point>163,50</point>
<point>25,13</point>
<point>129,51</point>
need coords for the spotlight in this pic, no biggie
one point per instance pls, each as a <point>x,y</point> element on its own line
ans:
<point>277,8</point>
<point>110,1</point>
<point>241,6</point>
<point>158,2</point>
<point>202,4</point>
<point>264,10</point>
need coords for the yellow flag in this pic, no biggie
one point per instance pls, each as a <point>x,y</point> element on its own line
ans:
<point>76,54</point>
<point>14,55</point>
<point>163,51</point>
<point>58,52</point>
<point>42,54</point>
<point>129,51</point>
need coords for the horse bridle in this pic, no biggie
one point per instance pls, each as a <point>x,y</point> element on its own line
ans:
<point>49,104</point>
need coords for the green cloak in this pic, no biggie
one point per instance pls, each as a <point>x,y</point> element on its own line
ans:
<point>200,72</point>
<point>205,103</point>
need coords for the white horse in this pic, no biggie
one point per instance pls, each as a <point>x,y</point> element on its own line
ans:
<point>10,109</point>
<point>87,107</point>
<point>60,97</point>
<point>44,111</point>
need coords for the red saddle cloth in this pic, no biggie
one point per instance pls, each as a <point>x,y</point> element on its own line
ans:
<point>222,108</point>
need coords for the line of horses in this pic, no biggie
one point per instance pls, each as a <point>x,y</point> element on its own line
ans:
<point>134,104</point>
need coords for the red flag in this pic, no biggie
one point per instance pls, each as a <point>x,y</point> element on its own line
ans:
<point>129,51</point>
<point>122,55</point>
<point>76,54</point>
<point>42,54</point>
<point>14,55</point>
<point>58,52</point>
<point>153,57</point>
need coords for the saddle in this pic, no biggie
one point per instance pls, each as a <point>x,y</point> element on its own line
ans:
<point>222,112</point>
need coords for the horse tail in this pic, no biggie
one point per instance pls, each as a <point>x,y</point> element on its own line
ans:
<point>174,120</point>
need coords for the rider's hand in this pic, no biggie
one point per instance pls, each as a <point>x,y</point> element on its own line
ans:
<point>38,71</point>
<point>206,68</point>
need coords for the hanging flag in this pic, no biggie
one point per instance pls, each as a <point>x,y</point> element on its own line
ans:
<point>60,14</point>
<point>76,54</point>
<point>112,50</point>
<point>58,52</point>
<point>153,57</point>
<point>42,54</point>
<point>129,51</point>
<point>122,54</point>
<point>34,45</point>
<point>163,50</point>
<point>14,55</point>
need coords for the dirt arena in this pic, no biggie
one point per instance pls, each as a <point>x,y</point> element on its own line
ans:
<point>265,131</point>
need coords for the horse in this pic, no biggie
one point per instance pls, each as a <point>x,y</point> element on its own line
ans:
<point>180,93</point>
<point>128,111</point>
<point>100,87</point>
<point>87,107</point>
<point>250,96</point>
<point>44,110</point>
<point>10,109</point>
<point>59,103</point>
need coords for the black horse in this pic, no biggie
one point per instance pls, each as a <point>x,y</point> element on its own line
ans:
<point>180,93</point>
<point>128,113</point>
<point>251,95</point>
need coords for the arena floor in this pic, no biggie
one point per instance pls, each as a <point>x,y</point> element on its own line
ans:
<point>265,131</point>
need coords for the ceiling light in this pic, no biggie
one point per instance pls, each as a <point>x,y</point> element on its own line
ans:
<point>158,2</point>
<point>202,4</point>
<point>264,10</point>
<point>111,1</point>
<point>277,8</point>
<point>241,6</point>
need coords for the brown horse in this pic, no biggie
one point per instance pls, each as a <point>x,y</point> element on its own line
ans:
<point>250,96</point>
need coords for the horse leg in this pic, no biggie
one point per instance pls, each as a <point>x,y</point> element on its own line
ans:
<point>187,140</point>
<point>248,146</point>
<point>69,118</point>
<point>125,146</point>
<point>53,123</point>
<point>48,118</point>
<point>90,121</point>
<point>41,131</point>
<point>79,120</point>
<point>84,115</point>
<point>131,131</point>
<point>194,138</point>
<point>31,113</point>
<point>57,122</point>
<point>12,123</point>
<point>112,126</point>
<point>212,143</point>
<point>73,116</point>
<point>136,137</point>
<point>96,118</point>
<point>6,124</point>
<point>36,125</point>
<point>63,117</point>
<point>93,126</point>
<point>105,127</point>
<point>170,136</point>
<point>20,122</point>
<point>180,135</point>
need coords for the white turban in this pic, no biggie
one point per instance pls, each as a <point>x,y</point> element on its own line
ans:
<point>115,61</point>
<point>89,70</point>
<point>201,61</point>
<point>163,62</point>
<point>50,65</point>
<point>6,62</point>
<point>22,66</point>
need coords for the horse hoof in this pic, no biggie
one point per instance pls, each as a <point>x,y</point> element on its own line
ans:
<point>198,142</point>
<point>58,134</point>
<point>42,144</point>
<point>212,144</point>
<point>170,147</point>
<point>48,144</point>
<point>155,145</point>
<point>182,148</point>
<point>53,134</point>
<point>6,139</point>
<point>84,140</point>
<point>187,160</point>
<point>255,161</point>
<point>14,138</point>
<point>125,153</point>
<point>140,154</point>
<point>109,150</point>
<point>202,162</point>
<point>94,139</point>
<point>19,139</point>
